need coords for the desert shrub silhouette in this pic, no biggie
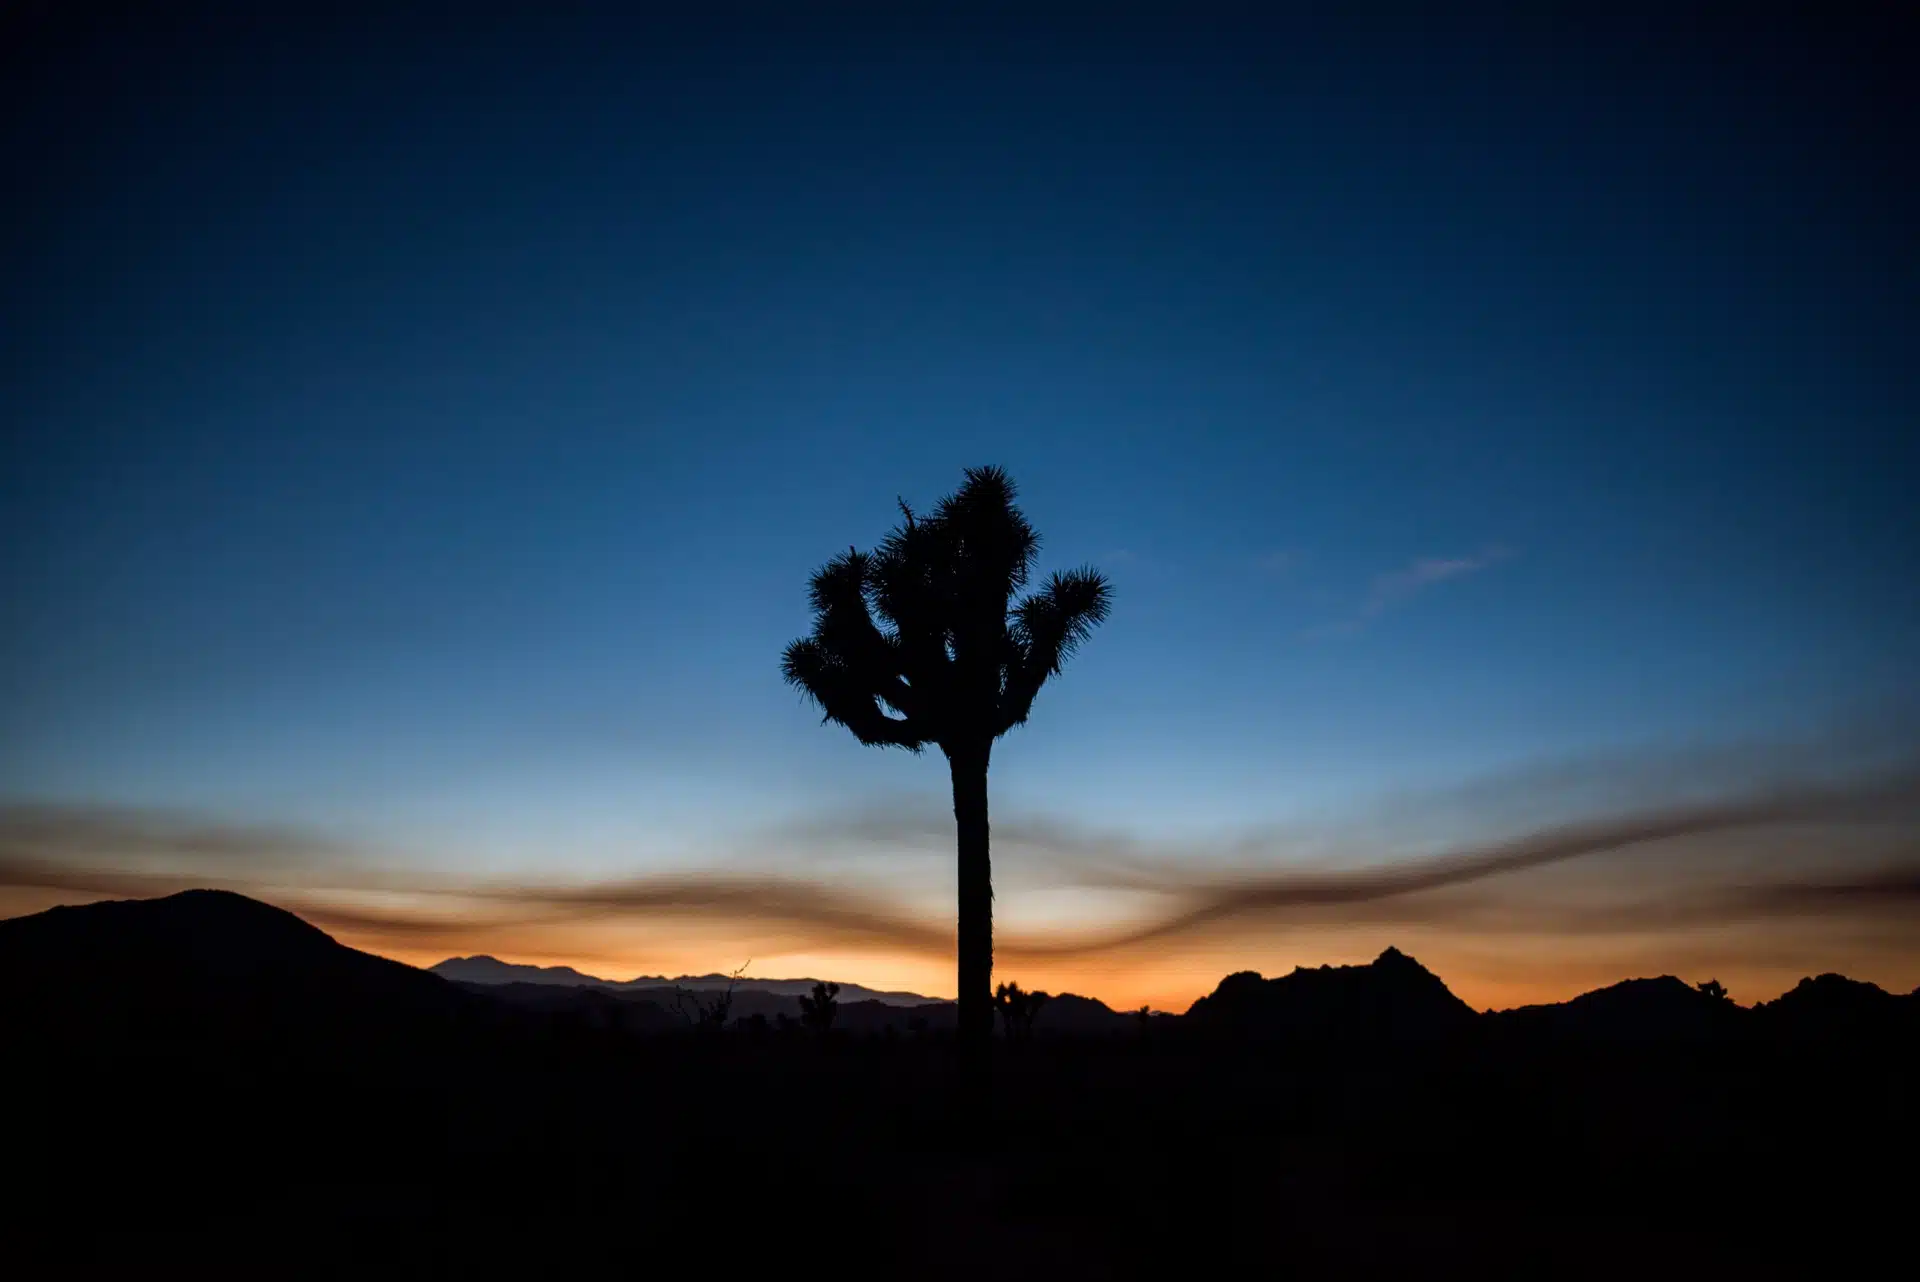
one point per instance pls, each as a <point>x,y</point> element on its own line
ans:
<point>708,1014</point>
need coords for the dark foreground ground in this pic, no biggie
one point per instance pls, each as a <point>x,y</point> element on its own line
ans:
<point>479,1151</point>
<point>206,1086</point>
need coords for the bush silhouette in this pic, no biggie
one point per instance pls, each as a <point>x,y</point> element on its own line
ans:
<point>708,1014</point>
<point>922,641</point>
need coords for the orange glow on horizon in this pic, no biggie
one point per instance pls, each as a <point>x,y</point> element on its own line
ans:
<point>1486,976</point>
<point>1756,963</point>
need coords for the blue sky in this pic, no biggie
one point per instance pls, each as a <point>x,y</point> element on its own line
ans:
<point>425,434</point>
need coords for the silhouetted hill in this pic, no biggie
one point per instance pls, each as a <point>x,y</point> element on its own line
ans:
<point>671,1008</point>
<point>594,1006</point>
<point>211,964</point>
<point>1660,1008</point>
<point>1823,1005</point>
<point>747,1001</point>
<point>1393,996</point>
<point>1072,1013</point>
<point>868,1017</point>
<point>207,964</point>
<point>785,988</point>
<point>490,970</point>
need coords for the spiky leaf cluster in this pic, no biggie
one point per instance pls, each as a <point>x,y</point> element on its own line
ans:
<point>928,638</point>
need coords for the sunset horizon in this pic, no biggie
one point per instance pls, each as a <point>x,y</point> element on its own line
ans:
<point>420,492</point>
<point>1754,864</point>
<point>1336,586</point>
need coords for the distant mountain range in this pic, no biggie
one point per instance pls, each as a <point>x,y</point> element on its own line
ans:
<point>491,970</point>
<point>862,1010</point>
<point>219,963</point>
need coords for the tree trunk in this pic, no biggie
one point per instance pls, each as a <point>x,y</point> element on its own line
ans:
<point>969,768</point>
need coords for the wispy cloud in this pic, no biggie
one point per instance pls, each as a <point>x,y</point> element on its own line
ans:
<point>1392,589</point>
<point>1795,844</point>
<point>1277,563</point>
<point>1269,897</point>
<point>1396,587</point>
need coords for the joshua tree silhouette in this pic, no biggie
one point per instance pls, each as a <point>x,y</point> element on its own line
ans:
<point>1017,1010</point>
<point>922,642</point>
<point>817,1011</point>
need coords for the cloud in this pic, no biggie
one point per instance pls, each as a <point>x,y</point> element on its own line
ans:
<point>1277,563</point>
<point>153,834</point>
<point>1739,840</point>
<point>1252,896</point>
<point>1394,588</point>
<point>1390,590</point>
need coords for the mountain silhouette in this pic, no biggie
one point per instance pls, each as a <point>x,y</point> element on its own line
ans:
<point>218,966</point>
<point>655,1009</point>
<point>588,1004</point>
<point>1823,1005</point>
<point>1659,1008</point>
<point>1072,1013</point>
<point>1391,997</point>
<point>321,1095</point>
<point>208,964</point>
<point>483,969</point>
<point>868,1017</point>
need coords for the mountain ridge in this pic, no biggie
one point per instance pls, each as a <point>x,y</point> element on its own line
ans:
<point>1391,997</point>
<point>218,956</point>
<point>483,968</point>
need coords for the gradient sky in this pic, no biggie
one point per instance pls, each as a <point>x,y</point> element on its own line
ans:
<point>421,431</point>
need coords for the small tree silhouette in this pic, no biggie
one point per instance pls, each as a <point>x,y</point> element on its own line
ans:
<point>1017,1009</point>
<point>817,1010</point>
<point>1145,1017</point>
<point>1715,989</point>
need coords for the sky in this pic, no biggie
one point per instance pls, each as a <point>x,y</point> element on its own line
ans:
<point>419,427</point>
